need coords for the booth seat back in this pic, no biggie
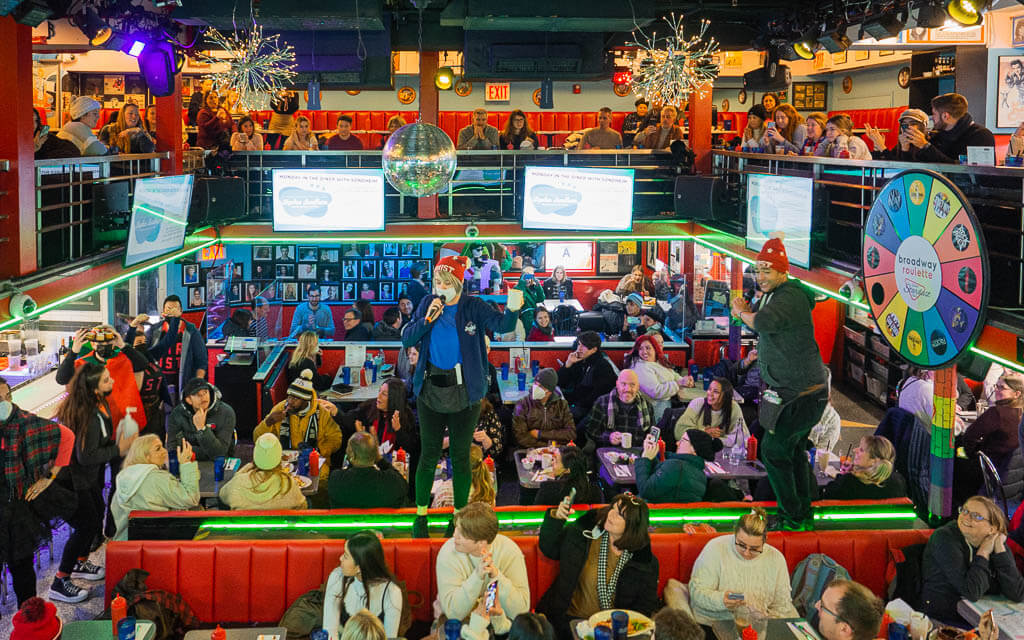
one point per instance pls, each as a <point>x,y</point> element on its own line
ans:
<point>256,580</point>
<point>887,118</point>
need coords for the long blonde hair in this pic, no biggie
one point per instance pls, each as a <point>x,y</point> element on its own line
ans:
<point>481,487</point>
<point>308,345</point>
<point>121,124</point>
<point>363,626</point>
<point>884,454</point>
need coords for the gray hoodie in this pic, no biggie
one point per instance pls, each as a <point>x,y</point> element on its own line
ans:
<point>146,487</point>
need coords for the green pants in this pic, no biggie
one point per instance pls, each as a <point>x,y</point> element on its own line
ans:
<point>785,456</point>
<point>461,426</point>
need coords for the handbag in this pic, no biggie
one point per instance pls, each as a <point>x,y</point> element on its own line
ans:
<point>57,502</point>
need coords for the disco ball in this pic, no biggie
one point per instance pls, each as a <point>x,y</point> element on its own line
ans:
<point>419,159</point>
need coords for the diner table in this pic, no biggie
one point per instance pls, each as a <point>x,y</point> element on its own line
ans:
<point>99,629</point>
<point>247,633</point>
<point>359,393</point>
<point>1008,615</point>
<point>553,303</point>
<point>531,477</point>
<point>210,488</point>
<point>778,629</point>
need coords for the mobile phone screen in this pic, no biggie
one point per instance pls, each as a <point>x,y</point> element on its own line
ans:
<point>656,433</point>
<point>492,593</point>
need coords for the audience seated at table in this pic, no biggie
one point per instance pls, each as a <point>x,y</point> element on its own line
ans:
<point>872,476</point>
<point>840,139</point>
<point>602,136</point>
<point>825,435</point>
<point>742,564</point>
<point>675,624</point>
<point>406,368</point>
<point>144,485</point>
<point>246,138</point>
<point>753,133</point>
<point>968,559</point>
<point>238,325</point>
<point>388,329</point>
<point>389,418</point>
<point>623,410</point>
<point>395,123</point>
<point>307,356</point>
<point>85,114</point>
<point>417,291</point>
<point>475,556</point>
<point>994,433</point>
<point>542,416</point>
<point>789,132</point>
<point>542,329</point>
<point>363,581</point>
<point>204,419</point>
<point>405,308</point>
<point>355,329</point>
<point>263,484</point>
<point>614,537</point>
<point>635,282</point>
<point>954,131</point>
<point>482,486</point>
<point>916,393</point>
<point>815,125</point>
<point>587,375</point>
<point>342,138</point>
<point>517,133</point>
<point>303,138</point>
<point>369,482</point>
<point>478,135</point>
<point>128,132</point>
<point>659,383</point>
<point>680,477</point>
<point>490,431</point>
<point>300,419</point>
<point>312,316</point>
<point>652,319</point>
<point>903,151</point>
<point>558,284</point>
<point>632,325</point>
<point>366,313</point>
<point>634,122</point>
<point>571,471</point>
<point>664,134</point>
<point>214,130</point>
<point>848,610</point>
<point>662,284</point>
<point>717,413</point>
<point>533,295</point>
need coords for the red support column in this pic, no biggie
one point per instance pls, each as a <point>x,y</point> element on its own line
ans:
<point>168,128</point>
<point>17,184</point>
<point>427,206</point>
<point>688,258</point>
<point>700,130</point>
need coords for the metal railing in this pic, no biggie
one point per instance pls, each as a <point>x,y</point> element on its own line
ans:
<point>83,204</point>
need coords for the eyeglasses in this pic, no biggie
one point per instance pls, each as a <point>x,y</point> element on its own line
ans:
<point>971,515</point>
<point>743,547</point>
<point>821,607</point>
<point>349,318</point>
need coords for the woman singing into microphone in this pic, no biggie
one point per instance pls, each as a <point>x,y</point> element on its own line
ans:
<point>451,375</point>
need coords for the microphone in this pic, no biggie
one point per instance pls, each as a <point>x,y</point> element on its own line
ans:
<point>433,316</point>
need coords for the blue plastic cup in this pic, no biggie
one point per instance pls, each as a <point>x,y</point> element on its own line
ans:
<point>504,371</point>
<point>346,375</point>
<point>620,625</point>
<point>373,373</point>
<point>963,158</point>
<point>126,628</point>
<point>452,629</point>
<point>534,367</point>
<point>603,632</point>
<point>218,468</point>
<point>813,453</point>
<point>708,377</point>
<point>522,381</point>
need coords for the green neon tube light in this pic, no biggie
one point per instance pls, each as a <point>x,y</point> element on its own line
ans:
<point>1003,361</point>
<point>895,515</point>
<point>106,283</point>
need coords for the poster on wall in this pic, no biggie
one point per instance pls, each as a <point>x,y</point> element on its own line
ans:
<point>113,84</point>
<point>1010,89</point>
<point>675,256</point>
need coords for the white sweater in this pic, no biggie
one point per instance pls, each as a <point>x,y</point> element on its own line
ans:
<point>763,581</point>
<point>385,602</point>
<point>659,383</point>
<point>459,586</point>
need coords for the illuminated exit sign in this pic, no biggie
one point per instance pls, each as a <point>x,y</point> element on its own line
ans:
<point>496,92</point>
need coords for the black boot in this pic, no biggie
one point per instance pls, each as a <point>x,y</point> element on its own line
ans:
<point>419,527</point>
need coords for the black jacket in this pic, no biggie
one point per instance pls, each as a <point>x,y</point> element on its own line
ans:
<point>637,588</point>
<point>848,487</point>
<point>377,487</point>
<point>553,492</point>
<point>358,333</point>
<point>321,381</point>
<point>385,333</point>
<point>93,449</point>
<point>952,570</point>
<point>552,287</point>
<point>586,381</point>
<point>948,146</point>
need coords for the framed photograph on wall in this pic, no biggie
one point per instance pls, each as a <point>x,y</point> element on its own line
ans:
<point>285,271</point>
<point>1018,31</point>
<point>308,254</point>
<point>387,292</point>
<point>190,275</point>
<point>387,269</point>
<point>368,290</point>
<point>197,297</point>
<point>652,253</point>
<point>350,269</point>
<point>262,252</point>
<point>261,271</point>
<point>329,293</point>
<point>411,250</point>
<point>391,249</point>
<point>350,250</point>
<point>238,271</point>
<point>285,253</point>
<point>348,291</point>
<point>329,273</point>
<point>371,250</point>
<point>1009,88</point>
<point>307,271</point>
<point>810,96</point>
<point>290,291</point>
<point>329,255</point>
<point>368,269</point>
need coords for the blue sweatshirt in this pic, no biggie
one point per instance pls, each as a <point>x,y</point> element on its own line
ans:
<point>473,319</point>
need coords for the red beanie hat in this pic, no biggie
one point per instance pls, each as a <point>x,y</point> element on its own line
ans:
<point>455,265</point>
<point>36,620</point>
<point>774,253</point>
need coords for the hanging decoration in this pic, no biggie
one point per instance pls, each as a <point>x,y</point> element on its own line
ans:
<point>258,66</point>
<point>667,69</point>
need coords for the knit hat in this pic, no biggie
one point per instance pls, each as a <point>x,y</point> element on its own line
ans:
<point>916,115</point>
<point>547,378</point>
<point>774,253</point>
<point>266,452</point>
<point>759,111</point>
<point>36,620</point>
<point>302,387</point>
<point>455,265</point>
<point>81,106</point>
<point>704,445</point>
<point>636,299</point>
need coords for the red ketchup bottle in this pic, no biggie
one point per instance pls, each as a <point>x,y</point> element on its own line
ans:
<point>749,634</point>
<point>751,448</point>
<point>661,449</point>
<point>314,463</point>
<point>220,634</point>
<point>118,611</point>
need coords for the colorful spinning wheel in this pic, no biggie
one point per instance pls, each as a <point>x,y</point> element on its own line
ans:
<point>926,268</point>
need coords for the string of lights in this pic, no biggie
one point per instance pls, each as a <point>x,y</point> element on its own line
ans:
<point>258,66</point>
<point>666,70</point>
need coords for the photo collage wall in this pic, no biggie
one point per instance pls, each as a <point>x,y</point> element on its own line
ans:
<point>378,272</point>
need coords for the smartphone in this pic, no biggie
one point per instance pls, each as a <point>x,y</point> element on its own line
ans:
<point>656,433</point>
<point>572,495</point>
<point>770,125</point>
<point>492,593</point>
<point>44,129</point>
<point>736,596</point>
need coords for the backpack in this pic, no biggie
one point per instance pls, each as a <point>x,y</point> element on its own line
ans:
<point>810,579</point>
<point>565,320</point>
<point>169,612</point>
<point>909,576</point>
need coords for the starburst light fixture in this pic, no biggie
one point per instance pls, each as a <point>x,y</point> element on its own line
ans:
<point>258,66</point>
<point>667,69</point>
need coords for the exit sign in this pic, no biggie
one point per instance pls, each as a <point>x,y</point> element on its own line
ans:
<point>496,92</point>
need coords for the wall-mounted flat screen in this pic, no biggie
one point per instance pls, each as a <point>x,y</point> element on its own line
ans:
<point>159,217</point>
<point>781,203</point>
<point>578,199</point>
<point>328,199</point>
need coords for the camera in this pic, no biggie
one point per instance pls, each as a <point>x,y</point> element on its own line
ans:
<point>853,289</point>
<point>472,231</point>
<point>22,305</point>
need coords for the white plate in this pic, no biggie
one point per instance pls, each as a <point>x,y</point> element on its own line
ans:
<point>287,466</point>
<point>304,481</point>
<point>605,617</point>
<point>289,455</point>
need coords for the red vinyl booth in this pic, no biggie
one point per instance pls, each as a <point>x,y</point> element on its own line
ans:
<point>887,118</point>
<point>256,580</point>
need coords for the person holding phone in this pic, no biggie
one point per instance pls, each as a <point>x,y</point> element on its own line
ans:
<point>680,478</point>
<point>741,569</point>
<point>904,150</point>
<point>246,138</point>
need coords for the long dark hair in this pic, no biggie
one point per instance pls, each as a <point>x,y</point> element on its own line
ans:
<point>531,626</point>
<point>77,408</point>
<point>367,553</point>
<point>526,131</point>
<point>397,401</point>
<point>635,512</point>
<point>706,410</point>
<point>577,470</point>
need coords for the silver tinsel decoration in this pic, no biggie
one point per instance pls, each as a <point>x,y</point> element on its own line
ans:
<point>667,70</point>
<point>419,159</point>
<point>258,66</point>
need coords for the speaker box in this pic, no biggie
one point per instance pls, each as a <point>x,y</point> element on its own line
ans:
<point>771,77</point>
<point>699,198</point>
<point>215,200</point>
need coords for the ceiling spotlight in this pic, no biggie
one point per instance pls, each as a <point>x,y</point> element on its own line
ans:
<point>887,25</point>
<point>94,28</point>
<point>965,12</point>
<point>834,40</point>
<point>931,16</point>
<point>444,79</point>
<point>804,49</point>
